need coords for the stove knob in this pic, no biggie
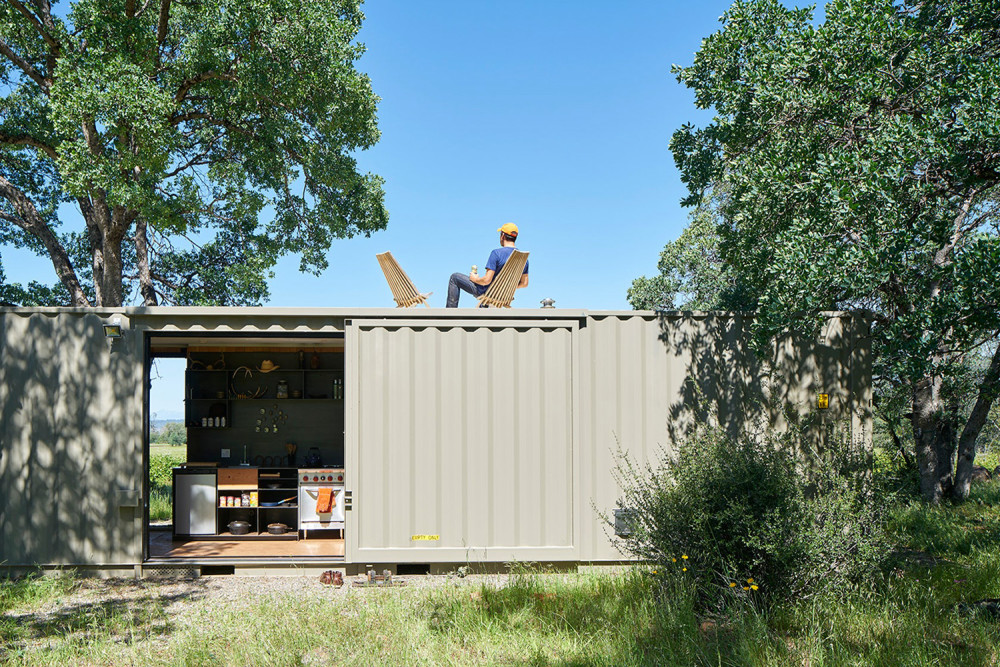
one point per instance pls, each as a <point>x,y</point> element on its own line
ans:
<point>315,478</point>
<point>305,478</point>
<point>322,478</point>
<point>340,478</point>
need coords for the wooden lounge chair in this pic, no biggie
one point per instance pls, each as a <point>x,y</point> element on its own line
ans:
<point>404,292</point>
<point>501,291</point>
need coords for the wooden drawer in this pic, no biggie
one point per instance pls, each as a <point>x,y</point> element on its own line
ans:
<point>237,478</point>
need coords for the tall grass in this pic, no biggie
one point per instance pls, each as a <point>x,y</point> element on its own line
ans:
<point>632,618</point>
<point>908,615</point>
<point>162,460</point>
<point>161,503</point>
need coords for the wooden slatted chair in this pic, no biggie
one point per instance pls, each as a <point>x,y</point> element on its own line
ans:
<point>404,292</point>
<point>501,291</point>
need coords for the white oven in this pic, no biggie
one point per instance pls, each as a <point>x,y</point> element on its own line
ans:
<point>310,483</point>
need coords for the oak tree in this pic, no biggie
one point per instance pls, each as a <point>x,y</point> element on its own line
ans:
<point>199,141</point>
<point>861,160</point>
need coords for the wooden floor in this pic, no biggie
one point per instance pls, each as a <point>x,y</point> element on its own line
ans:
<point>161,545</point>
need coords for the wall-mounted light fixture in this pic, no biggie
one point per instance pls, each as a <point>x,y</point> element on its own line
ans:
<point>823,401</point>
<point>113,328</point>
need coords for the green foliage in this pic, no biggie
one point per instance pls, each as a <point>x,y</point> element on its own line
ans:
<point>858,157</point>
<point>161,465</point>
<point>176,128</point>
<point>171,433</point>
<point>161,468</point>
<point>692,275</point>
<point>740,517</point>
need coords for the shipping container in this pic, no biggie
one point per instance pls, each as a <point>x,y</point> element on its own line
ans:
<point>464,436</point>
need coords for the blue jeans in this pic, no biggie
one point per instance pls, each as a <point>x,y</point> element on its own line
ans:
<point>459,281</point>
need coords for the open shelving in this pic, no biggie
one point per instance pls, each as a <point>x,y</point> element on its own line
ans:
<point>271,485</point>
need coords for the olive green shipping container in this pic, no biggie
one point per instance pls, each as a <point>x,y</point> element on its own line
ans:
<point>470,436</point>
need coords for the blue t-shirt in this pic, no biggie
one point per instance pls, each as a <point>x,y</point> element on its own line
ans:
<point>496,261</point>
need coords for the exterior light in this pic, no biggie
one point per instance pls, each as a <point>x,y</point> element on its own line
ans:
<point>823,401</point>
<point>548,303</point>
<point>113,328</point>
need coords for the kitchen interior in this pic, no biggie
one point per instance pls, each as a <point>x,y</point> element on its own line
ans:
<point>264,475</point>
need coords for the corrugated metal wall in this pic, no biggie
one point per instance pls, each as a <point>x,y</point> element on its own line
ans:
<point>464,434</point>
<point>496,435</point>
<point>70,441</point>
<point>645,380</point>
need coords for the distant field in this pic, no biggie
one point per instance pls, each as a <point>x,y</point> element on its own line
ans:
<point>167,450</point>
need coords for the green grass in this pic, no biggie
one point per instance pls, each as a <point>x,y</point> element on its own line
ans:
<point>162,459</point>
<point>946,556</point>
<point>160,503</point>
<point>175,452</point>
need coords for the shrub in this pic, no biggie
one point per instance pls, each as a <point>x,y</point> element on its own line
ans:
<point>743,518</point>
<point>161,467</point>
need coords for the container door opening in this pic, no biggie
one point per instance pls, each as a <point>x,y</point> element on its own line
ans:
<point>245,453</point>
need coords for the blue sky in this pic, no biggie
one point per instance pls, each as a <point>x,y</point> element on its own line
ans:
<point>553,115</point>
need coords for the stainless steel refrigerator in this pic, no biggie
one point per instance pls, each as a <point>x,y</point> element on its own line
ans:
<point>194,504</point>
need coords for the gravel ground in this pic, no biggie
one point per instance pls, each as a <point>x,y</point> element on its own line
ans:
<point>225,590</point>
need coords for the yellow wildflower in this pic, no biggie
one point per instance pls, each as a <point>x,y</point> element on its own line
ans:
<point>684,569</point>
<point>750,580</point>
<point>673,560</point>
<point>684,557</point>
<point>746,588</point>
<point>732,584</point>
<point>754,587</point>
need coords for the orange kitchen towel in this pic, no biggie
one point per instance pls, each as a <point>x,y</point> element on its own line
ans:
<point>325,501</point>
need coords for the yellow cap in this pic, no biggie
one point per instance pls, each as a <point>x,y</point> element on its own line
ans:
<point>510,229</point>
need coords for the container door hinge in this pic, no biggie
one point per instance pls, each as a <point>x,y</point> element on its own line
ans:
<point>348,501</point>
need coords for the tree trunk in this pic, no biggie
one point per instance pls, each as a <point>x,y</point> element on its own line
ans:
<point>110,290</point>
<point>946,440</point>
<point>988,390</point>
<point>106,230</point>
<point>142,260</point>
<point>926,419</point>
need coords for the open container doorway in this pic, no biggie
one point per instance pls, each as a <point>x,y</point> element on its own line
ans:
<point>260,476</point>
<point>167,438</point>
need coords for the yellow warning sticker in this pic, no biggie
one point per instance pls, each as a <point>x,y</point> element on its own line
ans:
<point>425,538</point>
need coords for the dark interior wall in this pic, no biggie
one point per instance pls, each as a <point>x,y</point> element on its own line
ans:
<point>316,419</point>
<point>70,441</point>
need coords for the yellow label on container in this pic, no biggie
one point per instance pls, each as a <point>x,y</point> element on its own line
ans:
<point>425,538</point>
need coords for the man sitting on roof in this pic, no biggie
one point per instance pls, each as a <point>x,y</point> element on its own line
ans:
<point>475,284</point>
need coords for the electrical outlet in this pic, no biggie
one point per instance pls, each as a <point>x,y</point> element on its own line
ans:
<point>225,453</point>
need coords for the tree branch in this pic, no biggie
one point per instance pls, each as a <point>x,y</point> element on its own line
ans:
<point>190,115</point>
<point>24,66</point>
<point>53,43</point>
<point>162,23</point>
<point>188,84</point>
<point>31,221</point>
<point>142,263</point>
<point>25,140</point>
